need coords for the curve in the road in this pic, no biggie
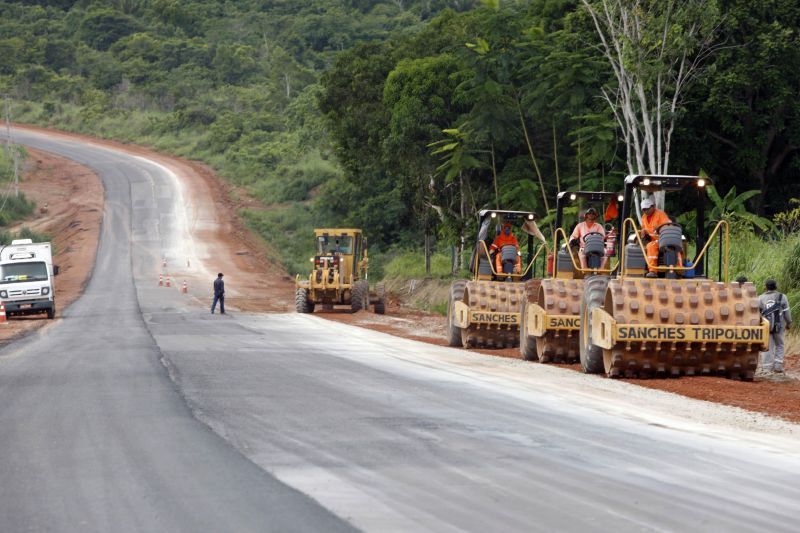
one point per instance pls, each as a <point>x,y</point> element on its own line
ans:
<point>95,436</point>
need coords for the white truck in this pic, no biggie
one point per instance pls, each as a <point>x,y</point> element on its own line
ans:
<point>26,278</point>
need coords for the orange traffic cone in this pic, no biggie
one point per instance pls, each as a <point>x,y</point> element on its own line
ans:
<point>2,312</point>
<point>168,284</point>
<point>184,289</point>
<point>161,280</point>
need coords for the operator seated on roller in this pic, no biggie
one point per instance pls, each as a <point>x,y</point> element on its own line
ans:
<point>589,225</point>
<point>505,238</point>
<point>652,220</point>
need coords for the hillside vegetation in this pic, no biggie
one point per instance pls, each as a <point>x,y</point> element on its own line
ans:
<point>402,117</point>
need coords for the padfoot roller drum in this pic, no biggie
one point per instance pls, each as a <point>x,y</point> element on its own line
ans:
<point>489,314</point>
<point>561,301</point>
<point>672,327</point>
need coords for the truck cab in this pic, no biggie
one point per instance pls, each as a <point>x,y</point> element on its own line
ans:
<point>26,278</point>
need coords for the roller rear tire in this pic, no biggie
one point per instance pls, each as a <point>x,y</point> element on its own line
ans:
<point>594,295</point>
<point>456,295</point>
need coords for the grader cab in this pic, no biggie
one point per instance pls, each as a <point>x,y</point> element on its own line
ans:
<point>339,275</point>
<point>486,310</point>
<point>551,315</point>
<point>659,314</point>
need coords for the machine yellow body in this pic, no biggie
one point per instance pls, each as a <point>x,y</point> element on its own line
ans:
<point>339,275</point>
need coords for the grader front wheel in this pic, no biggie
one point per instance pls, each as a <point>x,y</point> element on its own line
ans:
<point>301,303</point>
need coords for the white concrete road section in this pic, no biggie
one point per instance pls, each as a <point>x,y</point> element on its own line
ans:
<point>318,426</point>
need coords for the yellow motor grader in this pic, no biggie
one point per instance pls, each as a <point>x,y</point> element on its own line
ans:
<point>486,310</point>
<point>673,320</point>
<point>551,315</point>
<point>340,275</point>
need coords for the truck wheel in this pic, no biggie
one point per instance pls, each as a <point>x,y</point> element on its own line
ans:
<point>301,303</point>
<point>51,313</point>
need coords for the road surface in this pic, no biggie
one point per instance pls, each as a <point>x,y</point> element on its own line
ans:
<point>140,411</point>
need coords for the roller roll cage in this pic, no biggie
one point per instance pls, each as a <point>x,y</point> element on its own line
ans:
<point>671,183</point>
<point>565,199</point>
<point>485,218</point>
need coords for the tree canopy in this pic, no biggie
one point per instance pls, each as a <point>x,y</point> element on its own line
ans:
<point>407,117</point>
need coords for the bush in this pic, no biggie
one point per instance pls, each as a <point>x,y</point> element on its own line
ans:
<point>411,265</point>
<point>14,208</point>
<point>24,233</point>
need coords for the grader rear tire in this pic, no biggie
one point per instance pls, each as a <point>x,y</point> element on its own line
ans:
<point>380,304</point>
<point>301,303</point>
<point>594,295</point>
<point>456,295</point>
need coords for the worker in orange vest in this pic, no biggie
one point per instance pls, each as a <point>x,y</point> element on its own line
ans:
<point>505,238</point>
<point>652,219</point>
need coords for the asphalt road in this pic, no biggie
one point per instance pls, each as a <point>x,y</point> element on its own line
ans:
<point>316,425</point>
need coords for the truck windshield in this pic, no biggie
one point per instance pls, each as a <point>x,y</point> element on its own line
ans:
<point>20,272</point>
<point>334,243</point>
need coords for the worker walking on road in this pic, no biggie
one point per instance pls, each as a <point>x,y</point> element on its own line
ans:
<point>219,294</point>
<point>774,307</point>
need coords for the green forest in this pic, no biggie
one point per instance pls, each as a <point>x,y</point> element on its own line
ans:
<point>405,117</point>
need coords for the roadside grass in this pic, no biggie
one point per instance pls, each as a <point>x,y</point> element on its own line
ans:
<point>24,233</point>
<point>760,259</point>
<point>409,264</point>
<point>288,230</point>
<point>12,208</point>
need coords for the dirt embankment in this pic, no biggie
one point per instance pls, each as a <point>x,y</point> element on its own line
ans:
<point>74,198</point>
<point>69,200</point>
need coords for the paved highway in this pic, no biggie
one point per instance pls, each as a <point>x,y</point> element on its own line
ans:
<point>142,412</point>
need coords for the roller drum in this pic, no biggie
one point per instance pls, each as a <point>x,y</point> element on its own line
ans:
<point>680,303</point>
<point>493,297</point>
<point>559,297</point>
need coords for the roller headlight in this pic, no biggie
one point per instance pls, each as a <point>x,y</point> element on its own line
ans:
<point>646,181</point>
<point>573,196</point>
<point>701,182</point>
